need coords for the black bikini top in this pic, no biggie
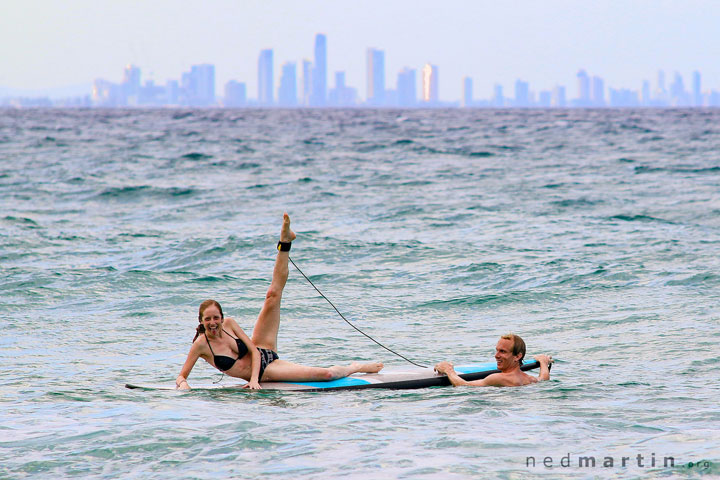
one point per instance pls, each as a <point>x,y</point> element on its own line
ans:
<point>224,363</point>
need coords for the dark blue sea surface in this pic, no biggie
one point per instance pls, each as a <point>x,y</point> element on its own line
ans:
<point>594,234</point>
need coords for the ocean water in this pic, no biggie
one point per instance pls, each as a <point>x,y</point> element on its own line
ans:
<point>594,234</point>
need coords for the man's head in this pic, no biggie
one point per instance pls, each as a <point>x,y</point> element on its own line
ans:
<point>509,351</point>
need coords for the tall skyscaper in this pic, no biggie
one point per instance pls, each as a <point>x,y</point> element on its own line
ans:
<point>678,95</point>
<point>265,77</point>
<point>131,84</point>
<point>172,91</point>
<point>597,97</point>
<point>661,94</point>
<point>545,98</point>
<point>697,92</point>
<point>198,86</point>
<point>558,98</point>
<point>498,97</point>
<point>287,92</point>
<point>319,72</point>
<point>430,83</point>
<point>206,82</point>
<point>406,88</point>
<point>583,88</point>
<point>306,81</point>
<point>467,92</point>
<point>522,94</point>
<point>185,88</point>
<point>645,97</point>
<point>375,76</point>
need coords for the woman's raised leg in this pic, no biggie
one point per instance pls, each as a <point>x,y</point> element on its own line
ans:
<point>268,322</point>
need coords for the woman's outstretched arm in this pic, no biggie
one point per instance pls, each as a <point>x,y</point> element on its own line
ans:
<point>192,358</point>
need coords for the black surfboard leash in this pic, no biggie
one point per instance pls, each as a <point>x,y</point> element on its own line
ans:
<point>348,322</point>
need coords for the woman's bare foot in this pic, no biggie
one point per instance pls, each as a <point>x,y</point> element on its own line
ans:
<point>338,371</point>
<point>367,367</point>
<point>286,235</point>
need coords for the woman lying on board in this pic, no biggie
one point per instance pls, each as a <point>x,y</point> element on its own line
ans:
<point>223,344</point>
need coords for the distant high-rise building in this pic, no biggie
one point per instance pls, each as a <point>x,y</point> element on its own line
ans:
<point>172,92</point>
<point>661,94</point>
<point>106,94</point>
<point>265,77</point>
<point>498,97</point>
<point>522,94</point>
<point>597,97</point>
<point>677,88</point>
<point>287,92</point>
<point>131,76</point>
<point>318,98</point>
<point>696,90</point>
<point>545,99</point>
<point>467,92</point>
<point>645,97</point>
<point>623,98</point>
<point>713,98</point>
<point>306,81</point>
<point>334,93</point>
<point>235,94</point>
<point>151,94</point>
<point>430,82</point>
<point>185,88</point>
<point>131,85</point>
<point>678,95</point>
<point>206,83</point>
<point>342,95</point>
<point>583,89</point>
<point>406,88</point>
<point>198,86</point>
<point>375,77</point>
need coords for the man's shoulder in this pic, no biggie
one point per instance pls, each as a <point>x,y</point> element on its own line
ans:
<point>510,379</point>
<point>501,379</point>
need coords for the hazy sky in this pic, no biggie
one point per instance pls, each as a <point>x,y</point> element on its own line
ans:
<point>52,43</point>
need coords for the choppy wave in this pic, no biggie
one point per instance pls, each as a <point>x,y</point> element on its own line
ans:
<point>143,191</point>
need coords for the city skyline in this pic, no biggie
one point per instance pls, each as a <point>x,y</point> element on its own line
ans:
<point>543,43</point>
<point>196,88</point>
<point>591,92</point>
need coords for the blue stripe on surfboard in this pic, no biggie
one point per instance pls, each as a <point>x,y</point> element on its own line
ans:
<point>340,382</point>
<point>482,367</point>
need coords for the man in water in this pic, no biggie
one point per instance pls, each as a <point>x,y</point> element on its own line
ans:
<point>509,354</point>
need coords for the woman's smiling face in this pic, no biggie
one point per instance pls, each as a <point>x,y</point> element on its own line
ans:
<point>212,320</point>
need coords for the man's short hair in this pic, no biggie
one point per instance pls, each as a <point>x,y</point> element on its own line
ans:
<point>518,345</point>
